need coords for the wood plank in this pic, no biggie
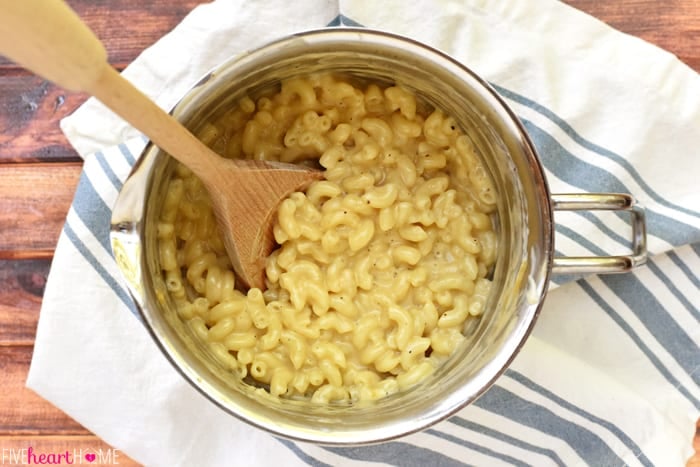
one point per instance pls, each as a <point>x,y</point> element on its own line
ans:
<point>23,412</point>
<point>31,108</point>
<point>126,27</point>
<point>34,201</point>
<point>30,111</point>
<point>21,288</point>
<point>673,25</point>
<point>15,450</point>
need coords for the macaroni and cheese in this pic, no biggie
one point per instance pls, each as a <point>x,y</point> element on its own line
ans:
<point>380,265</point>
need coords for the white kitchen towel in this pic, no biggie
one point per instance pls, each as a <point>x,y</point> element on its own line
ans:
<point>610,374</point>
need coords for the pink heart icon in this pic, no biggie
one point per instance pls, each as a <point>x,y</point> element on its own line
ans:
<point>89,457</point>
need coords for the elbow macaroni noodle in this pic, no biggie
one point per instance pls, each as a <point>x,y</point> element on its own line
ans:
<point>380,265</point>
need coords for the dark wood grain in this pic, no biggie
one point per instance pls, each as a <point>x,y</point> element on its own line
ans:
<point>21,288</point>
<point>31,108</point>
<point>34,201</point>
<point>126,27</point>
<point>22,412</point>
<point>30,111</point>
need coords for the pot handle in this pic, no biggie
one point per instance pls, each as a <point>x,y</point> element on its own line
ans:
<point>603,264</point>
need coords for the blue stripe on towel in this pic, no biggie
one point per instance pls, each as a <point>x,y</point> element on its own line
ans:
<point>476,447</point>
<point>696,248</point>
<point>130,159</point>
<point>99,269</point>
<point>107,169</point>
<point>666,330</point>
<point>605,306</point>
<point>595,220</point>
<point>580,239</point>
<point>564,126</point>
<point>93,211</point>
<point>612,428</point>
<point>588,445</point>
<point>484,430</point>
<point>342,20</point>
<point>95,215</point>
<point>658,272</point>
<point>301,454</point>
<point>643,303</point>
<point>411,455</point>
<point>593,179</point>
<point>673,256</point>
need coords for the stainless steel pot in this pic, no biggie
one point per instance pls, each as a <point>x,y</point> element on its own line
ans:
<point>525,229</point>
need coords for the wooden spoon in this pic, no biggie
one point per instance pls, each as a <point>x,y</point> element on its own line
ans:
<point>49,38</point>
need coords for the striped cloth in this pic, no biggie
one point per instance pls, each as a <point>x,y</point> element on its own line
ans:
<point>609,376</point>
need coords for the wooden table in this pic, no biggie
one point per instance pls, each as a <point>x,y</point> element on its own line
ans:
<point>39,172</point>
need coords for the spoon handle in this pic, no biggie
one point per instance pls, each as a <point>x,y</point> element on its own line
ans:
<point>48,38</point>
